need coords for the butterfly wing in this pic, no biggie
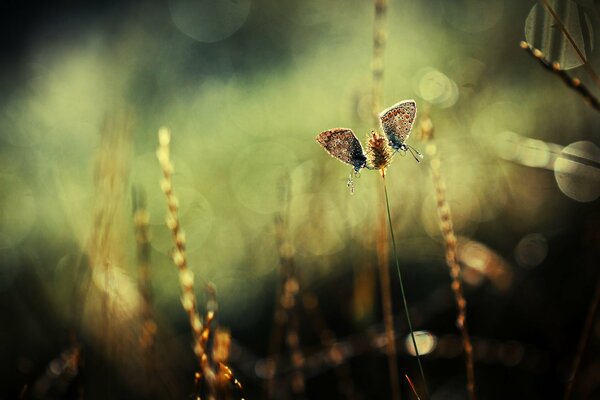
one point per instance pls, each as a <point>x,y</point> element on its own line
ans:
<point>342,144</point>
<point>397,122</point>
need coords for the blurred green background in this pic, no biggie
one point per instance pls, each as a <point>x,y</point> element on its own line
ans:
<point>245,86</point>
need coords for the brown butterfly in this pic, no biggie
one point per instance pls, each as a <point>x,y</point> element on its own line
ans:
<point>396,122</point>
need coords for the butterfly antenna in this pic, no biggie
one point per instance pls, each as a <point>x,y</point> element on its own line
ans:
<point>415,153</point>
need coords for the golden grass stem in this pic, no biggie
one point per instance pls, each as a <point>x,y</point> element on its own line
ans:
<point>141,221</point>
<point>186,276</point>
<point>588,67</point>
<point>447,229</point>
<point>376,142</point>
<point>286,325</point>
<point>377,66</point>
<point>402,291</point>
<point>554,67</point>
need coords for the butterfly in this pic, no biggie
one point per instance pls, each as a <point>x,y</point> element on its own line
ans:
<point>396,123</point>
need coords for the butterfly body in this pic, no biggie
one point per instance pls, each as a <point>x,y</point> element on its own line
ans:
<point>396,123</point>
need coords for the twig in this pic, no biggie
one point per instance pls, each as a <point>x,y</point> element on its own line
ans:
<point>447,229</point>
<point>554,67</point>
<point>564,30</point>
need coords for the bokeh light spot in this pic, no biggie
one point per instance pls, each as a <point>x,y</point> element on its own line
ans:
<point>436,88</point>
<point>576,171</point>
<point>531,250</point>
<point>534,153</point>
<point>209,20</point>
<point>426,343</point>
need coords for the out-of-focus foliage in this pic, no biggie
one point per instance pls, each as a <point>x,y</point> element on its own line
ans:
<point>245,86</point>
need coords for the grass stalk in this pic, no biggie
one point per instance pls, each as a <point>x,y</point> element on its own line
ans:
<point>447,229</point>
<point>386,304</point>
<point>141,221</point>
<point>402,291</point>
<point>377,68</point>
<point>186,276</point>
<point>286,321</point>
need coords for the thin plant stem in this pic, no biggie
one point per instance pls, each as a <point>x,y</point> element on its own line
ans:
<point>402,291</point>
<point>554,67</point>
<point>412,387</point>
<point>386,304</point>
<point>377,68</point>
<point>141,220</point>
<point>564,30</point>
<point>585,334</point>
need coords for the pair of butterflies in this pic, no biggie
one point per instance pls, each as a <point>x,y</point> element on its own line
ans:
<point>396,122</point>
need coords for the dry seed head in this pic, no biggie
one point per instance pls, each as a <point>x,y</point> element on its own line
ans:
<point>164,136</point>
<point>162,154</point>
<point>205,335</point>
<point>210,316</point>
<point>186,277</point>
<point>379,153</point>
<point>165,185</point>
<point>180,238</point>
<point>198,350</point>
<point>179,260</point>
<point>173,203</point>
<point>222,344</point>
<point>171,221</point>
<point>187,301</point>
<point>196,324</point>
